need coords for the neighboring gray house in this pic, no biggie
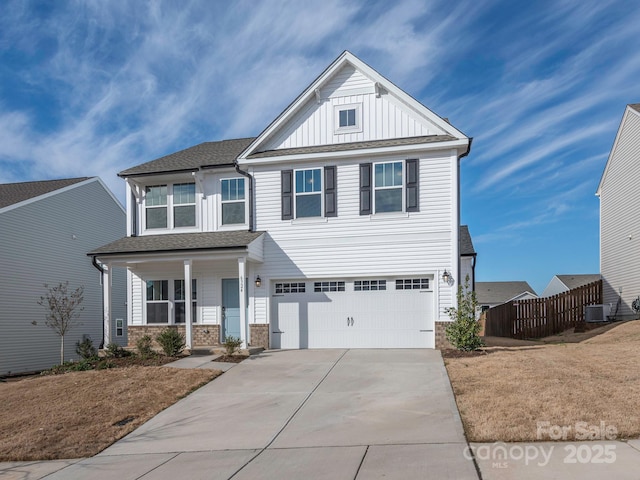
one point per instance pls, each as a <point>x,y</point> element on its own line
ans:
<point>491,294</point>
<point>564,283</point>
<point>619,193</point>
<point>46,230</point>
<point>467,257</point>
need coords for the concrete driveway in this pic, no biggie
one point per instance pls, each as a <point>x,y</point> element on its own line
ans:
<point>334,414</point>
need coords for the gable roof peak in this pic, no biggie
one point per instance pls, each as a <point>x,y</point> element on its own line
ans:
<point>312,91</point>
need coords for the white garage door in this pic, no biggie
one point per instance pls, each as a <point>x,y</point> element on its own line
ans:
<point>378,313</point>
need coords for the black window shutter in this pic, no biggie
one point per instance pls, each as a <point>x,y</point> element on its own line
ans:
<point>287,194</point>
<point>413,200</point>
<point>330,192</point>
<point>365,189</point>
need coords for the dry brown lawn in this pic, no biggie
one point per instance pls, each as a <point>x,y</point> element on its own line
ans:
<point>503,394</point>
<point>78,414</point>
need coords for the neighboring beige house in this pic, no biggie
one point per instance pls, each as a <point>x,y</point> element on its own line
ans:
<point>619,193</point>
<point>492,294</point>
<point>564,283</point>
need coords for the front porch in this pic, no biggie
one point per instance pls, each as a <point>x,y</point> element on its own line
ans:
<point>201,284</point>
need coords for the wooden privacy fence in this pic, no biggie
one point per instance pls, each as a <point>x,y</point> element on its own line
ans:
<point>540,317</point>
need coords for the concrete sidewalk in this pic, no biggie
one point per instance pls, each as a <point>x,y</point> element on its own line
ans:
<point>333,414</point>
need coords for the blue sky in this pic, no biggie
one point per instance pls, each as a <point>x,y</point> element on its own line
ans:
<point>91,88</point>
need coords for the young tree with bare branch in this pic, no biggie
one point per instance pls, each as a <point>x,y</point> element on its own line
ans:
<point>63,310</point>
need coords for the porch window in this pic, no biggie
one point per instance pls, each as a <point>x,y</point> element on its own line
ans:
<point>388,187</point>
<point>156,206</point>
<point>309,193</point>
<point>184,205</point>
<point>233,201</point>
<point>158,301</point>
<point>179,300</point>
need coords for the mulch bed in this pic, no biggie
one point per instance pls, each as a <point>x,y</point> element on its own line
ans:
<point>230,358</point>
<point>454,353</point>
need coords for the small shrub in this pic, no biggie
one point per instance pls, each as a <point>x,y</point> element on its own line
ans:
<point>232,345</point>
<point>171,341</point>
<point>105,364</point>
<point>464,331</point>
<point>114,350</point>
<point>85,349</point>
<point>143,345</point>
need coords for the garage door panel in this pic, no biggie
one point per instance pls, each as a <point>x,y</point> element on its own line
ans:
<point>353,319</point>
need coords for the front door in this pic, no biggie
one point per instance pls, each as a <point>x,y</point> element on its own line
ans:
<point>230,308</point>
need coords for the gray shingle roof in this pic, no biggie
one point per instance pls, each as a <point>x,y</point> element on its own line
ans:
<point>575,281</point>
<point>178,242</point>
<point>466,245</point>
<point>12,193</point>
<point>206,154</point>
<point>340,147</point>
<point>635,106</point>
<point>491,293</point>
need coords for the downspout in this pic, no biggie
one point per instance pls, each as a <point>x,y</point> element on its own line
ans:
<point>248,175</point>
<point>458,226</point>
<point>473,271</point>
<point>95,263</point>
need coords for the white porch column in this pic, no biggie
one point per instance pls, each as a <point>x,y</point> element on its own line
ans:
<point>187,304</point>
<point>242,275</point>
<point>106,303</point>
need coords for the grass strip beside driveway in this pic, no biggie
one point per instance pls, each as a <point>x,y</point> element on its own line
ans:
<point>502,396</point>
<point>79,414</point>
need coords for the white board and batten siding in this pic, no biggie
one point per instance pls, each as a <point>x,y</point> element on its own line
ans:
<point>619,220</point>
<point>382,116</point>
<point>46,241</point>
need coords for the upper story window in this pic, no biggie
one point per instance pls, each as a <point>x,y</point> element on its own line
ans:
<point>348,118</point>
<point>308,193</point>
<point>233,201</point>
<point>388,187</point>
<point>170,206</point>
<point>156,206</point>
<point>311,192</point>
<point>184,205</point>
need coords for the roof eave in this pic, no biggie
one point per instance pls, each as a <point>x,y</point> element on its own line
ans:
<point>155,173</point>
<point>452,144</point>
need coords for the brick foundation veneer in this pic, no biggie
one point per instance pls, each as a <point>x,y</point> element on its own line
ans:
<point>441,339</point>
<point>203,335</point>
<point>259,335</point>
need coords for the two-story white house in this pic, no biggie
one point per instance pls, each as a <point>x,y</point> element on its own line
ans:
<point>336,227</point>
